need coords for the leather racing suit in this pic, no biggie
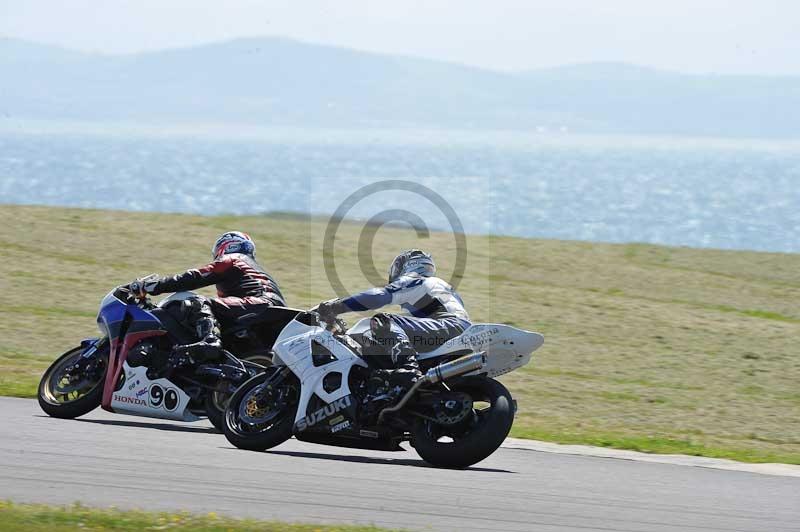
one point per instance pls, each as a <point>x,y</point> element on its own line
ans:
<point>243,287</point>
<point>436,314</point>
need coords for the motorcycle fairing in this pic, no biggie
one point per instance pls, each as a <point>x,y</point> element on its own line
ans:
<point>125,325</point>
<point>158,398</point>
<point>293,348</point>
<point>507,348</point>
<point>177,296</point>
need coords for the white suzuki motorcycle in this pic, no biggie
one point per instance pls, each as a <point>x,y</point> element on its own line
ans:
<point>319,390</point>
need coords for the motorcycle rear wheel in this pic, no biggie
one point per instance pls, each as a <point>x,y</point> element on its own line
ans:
<point>63,399</point>
<point>217,402</point>
<point>477,437</point>
<point>260,414</point>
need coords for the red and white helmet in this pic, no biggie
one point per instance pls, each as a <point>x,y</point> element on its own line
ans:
<point>233,242</point>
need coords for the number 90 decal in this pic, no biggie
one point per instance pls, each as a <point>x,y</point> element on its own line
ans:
<point>159,397</point>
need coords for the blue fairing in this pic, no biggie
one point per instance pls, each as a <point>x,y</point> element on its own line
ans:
<point>112,313</point>
<point>142,316</point>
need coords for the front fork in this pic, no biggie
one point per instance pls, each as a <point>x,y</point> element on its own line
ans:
<point>91,345</point>
<point>88,359</point>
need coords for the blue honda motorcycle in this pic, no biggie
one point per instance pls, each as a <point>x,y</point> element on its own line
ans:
<point>130,369</point>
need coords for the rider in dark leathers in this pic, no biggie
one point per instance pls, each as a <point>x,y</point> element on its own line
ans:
<point>243,287</point>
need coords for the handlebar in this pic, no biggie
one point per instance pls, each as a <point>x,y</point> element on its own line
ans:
<point>124,293</point>
<point>143,301</point>
<point>339,326</point>
<point>335,325</point>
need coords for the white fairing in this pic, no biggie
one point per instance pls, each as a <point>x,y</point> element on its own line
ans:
<point>159,398</point>
<point>177,296</point>
<point>362,327</point>
<point>507,348</point>
<point>293,349</point>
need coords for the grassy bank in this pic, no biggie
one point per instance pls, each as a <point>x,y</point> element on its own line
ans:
<point>652,348</point>
<point>39,518</point>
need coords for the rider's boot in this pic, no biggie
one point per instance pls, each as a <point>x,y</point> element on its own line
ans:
<point>407,372</point>
<point>190,354</point>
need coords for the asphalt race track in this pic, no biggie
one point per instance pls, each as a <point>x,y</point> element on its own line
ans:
<point>131,462</point>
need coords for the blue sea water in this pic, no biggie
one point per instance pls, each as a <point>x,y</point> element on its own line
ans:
<point>733,195</point>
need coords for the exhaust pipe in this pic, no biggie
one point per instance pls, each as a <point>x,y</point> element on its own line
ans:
<point>454,368</point>
<point>445,371</point>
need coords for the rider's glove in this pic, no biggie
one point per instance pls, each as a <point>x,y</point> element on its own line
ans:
<point>140,289</point>
<point>328,310</point>
<point>136,288</point>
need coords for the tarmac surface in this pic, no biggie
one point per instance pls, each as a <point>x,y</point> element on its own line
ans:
<point>105,460</point>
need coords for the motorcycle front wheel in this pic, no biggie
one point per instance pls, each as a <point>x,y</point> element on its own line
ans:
<point>260,414</point>
<point>71,386</point>
<point>477,436</point>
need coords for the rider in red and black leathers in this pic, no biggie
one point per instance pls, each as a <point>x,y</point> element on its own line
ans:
<point>243,287</point>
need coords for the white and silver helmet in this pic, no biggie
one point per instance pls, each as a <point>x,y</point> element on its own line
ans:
<point>410,262</point>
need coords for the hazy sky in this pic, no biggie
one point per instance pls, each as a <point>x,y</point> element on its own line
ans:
<point>730,36</point>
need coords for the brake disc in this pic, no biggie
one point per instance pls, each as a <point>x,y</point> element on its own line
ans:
<point>66,383</point>
<point>452,408</point>
<point>258,407</point>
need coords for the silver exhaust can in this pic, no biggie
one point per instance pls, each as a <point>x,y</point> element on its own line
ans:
<point>448,370</point>
<point>456,367</point>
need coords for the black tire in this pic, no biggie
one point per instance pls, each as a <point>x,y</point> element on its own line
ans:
<point>215,410</point>
<point>471,443</point>
<point>263,360</point>
<point>67,409</point>
<point>217,402</point>
<point>278,423</point>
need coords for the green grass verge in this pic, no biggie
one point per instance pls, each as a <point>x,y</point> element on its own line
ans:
<point>654,348</point>
<point>24,387</point>
<point>656,445</point>
<point>40,518</point>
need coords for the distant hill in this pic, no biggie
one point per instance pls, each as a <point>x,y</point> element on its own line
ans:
<point>600,71</point>
<point>275,81</point>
